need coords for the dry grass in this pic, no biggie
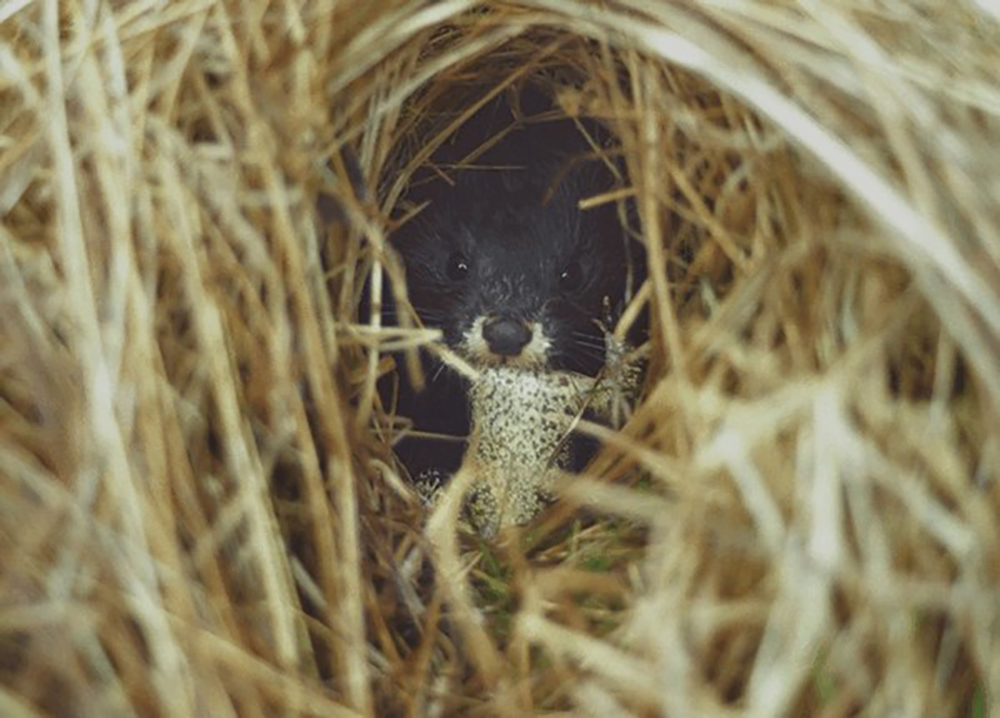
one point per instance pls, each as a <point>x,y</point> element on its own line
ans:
<point>198,506</point>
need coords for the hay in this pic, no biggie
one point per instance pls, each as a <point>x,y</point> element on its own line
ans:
<point>200,513</point>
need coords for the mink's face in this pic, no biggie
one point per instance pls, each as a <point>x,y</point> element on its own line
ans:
<point>512,277</point>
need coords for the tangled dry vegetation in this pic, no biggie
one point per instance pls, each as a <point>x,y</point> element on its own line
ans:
<point>199,509</point>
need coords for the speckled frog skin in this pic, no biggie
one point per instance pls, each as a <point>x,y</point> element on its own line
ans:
<point>520,421</point>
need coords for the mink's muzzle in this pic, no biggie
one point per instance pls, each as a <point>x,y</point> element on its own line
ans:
<point>506,336</point>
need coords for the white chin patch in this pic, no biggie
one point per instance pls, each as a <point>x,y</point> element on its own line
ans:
<point>477,349</point>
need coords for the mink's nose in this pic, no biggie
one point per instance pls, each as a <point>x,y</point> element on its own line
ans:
<point>506,336</point>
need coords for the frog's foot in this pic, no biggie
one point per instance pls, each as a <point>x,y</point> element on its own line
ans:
<point>617,387</point>
<point>429,484</point>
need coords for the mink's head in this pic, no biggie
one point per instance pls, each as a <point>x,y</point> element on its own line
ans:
<point>509,267</point>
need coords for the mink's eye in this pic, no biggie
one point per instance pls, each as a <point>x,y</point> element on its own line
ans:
<point>570,277</point>
<point>458,266</point>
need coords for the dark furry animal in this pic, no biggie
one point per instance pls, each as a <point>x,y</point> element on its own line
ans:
<point>508,266</point>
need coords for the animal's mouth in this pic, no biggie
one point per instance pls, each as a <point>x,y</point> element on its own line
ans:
<point>500,340</point>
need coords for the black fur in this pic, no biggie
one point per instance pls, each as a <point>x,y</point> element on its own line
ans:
<point>508,239</point>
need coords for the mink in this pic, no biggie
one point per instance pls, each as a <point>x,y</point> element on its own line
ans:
<point>523,285</point>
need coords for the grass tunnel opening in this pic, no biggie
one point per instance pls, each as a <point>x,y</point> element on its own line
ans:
<point>199,506</point>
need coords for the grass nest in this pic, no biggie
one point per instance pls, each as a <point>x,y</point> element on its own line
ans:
<point>199,506</point>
